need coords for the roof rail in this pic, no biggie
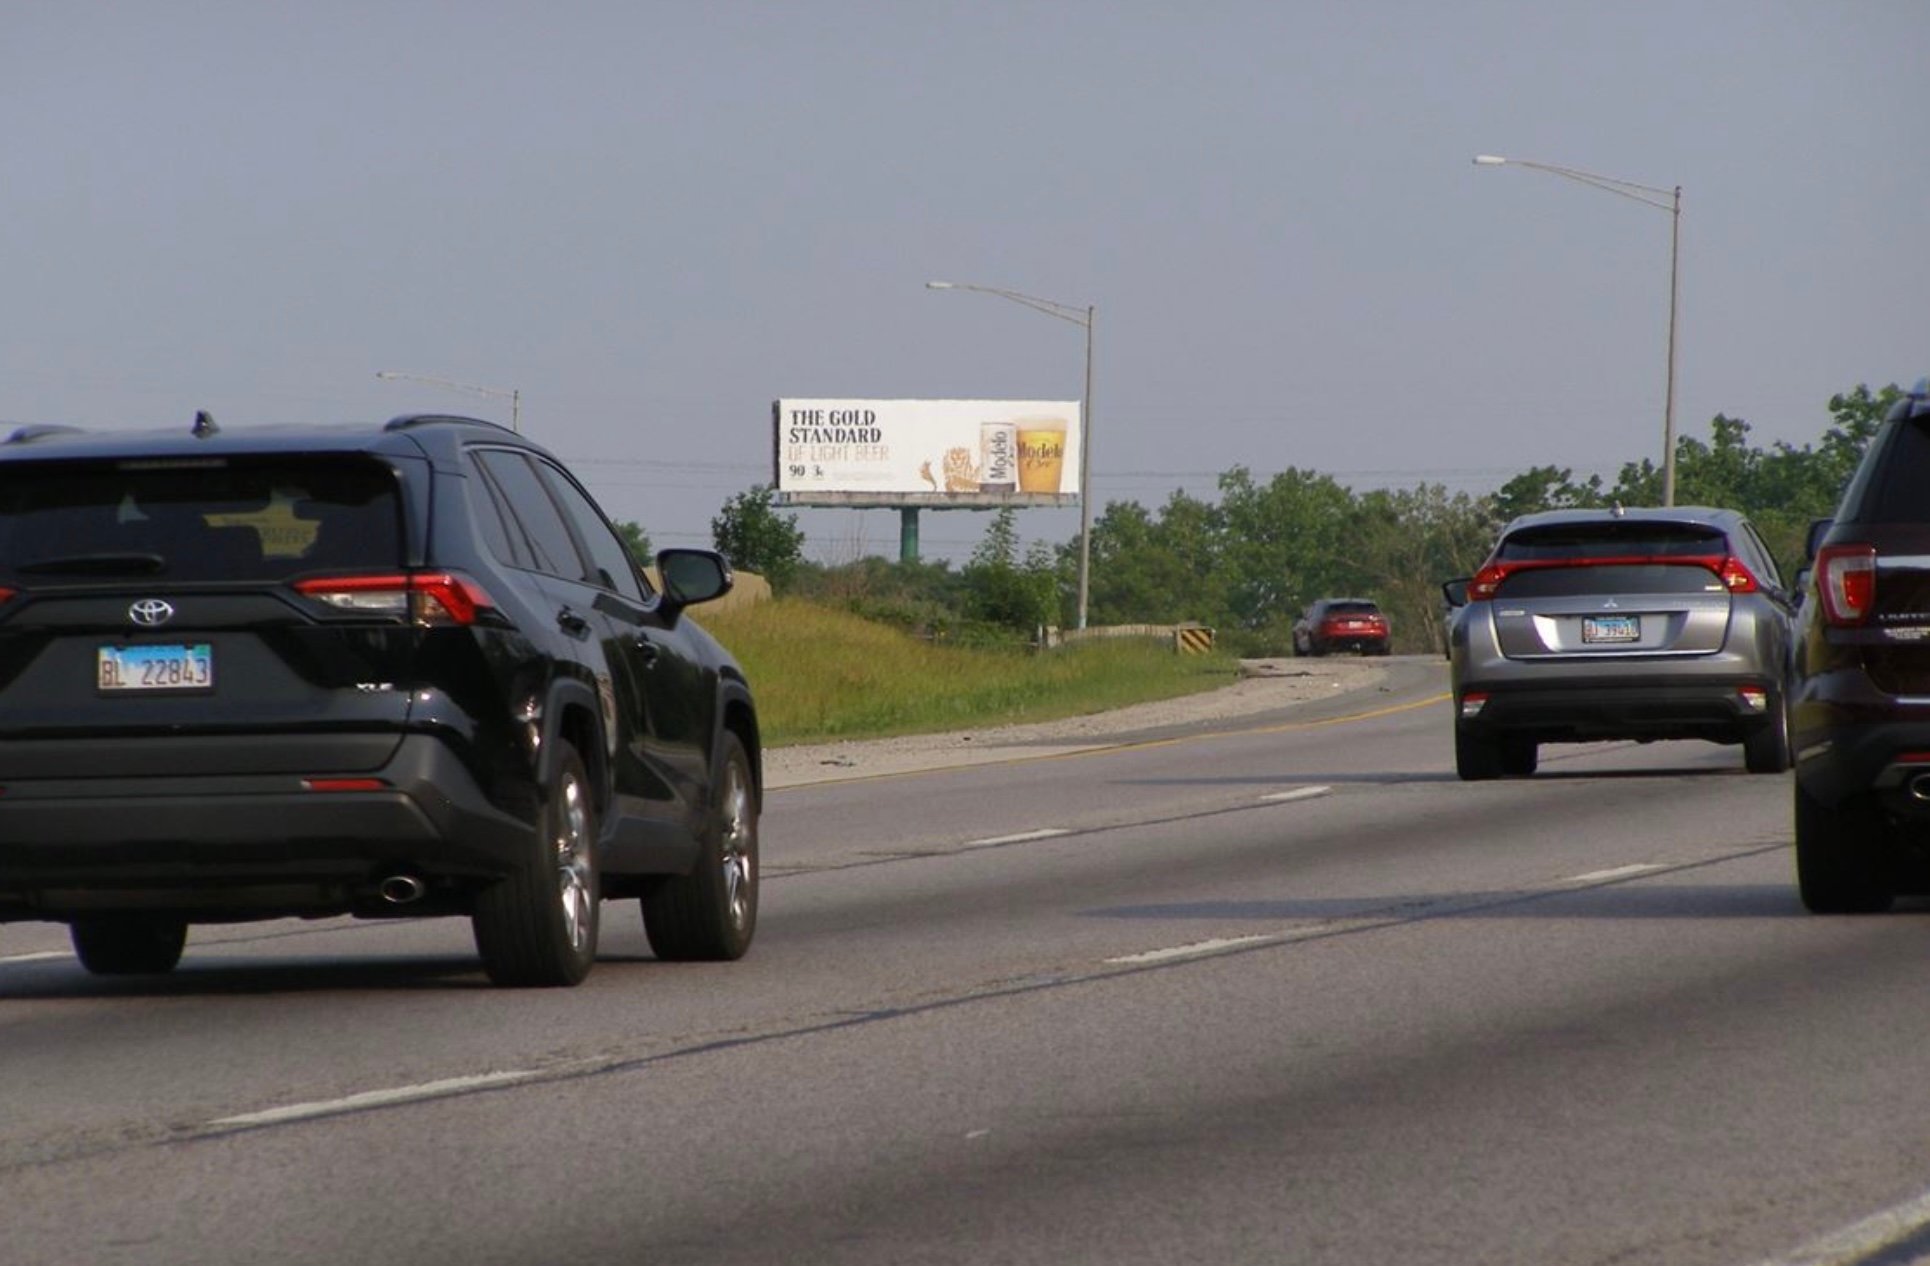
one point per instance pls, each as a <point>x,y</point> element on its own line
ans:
<point>28,434</point>
<point>408,420</point>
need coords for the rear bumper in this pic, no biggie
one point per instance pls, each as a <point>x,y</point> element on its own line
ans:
<point>1352,642</point>
<point>1580,709</point>
<point>1849,738</point>
<point>252,846</point>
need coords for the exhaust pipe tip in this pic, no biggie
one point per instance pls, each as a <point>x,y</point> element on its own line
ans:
<point>401,890</point>
<point>1919,786</point>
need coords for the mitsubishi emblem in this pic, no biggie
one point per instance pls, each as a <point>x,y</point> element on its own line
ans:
<point>1610,605</point>
<point>150,612</point>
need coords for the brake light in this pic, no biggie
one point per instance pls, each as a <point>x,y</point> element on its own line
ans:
<point>1486,581</point>
<point>1846,582</point>
<point>1736,577</point>
<point>426,598</point>
<point>6,595</point>
<point>1734,574</point>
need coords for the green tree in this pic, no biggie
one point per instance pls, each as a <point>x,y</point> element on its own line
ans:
<point>753,536</point>
<point>1407,543</point>
<point>1545,488</point>
<point>1286,543</point>
<point>636,538</point>
<point>1003,590</point>
<point>1154,569</point>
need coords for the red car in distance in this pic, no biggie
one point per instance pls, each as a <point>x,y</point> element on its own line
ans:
<point>1341,624</point>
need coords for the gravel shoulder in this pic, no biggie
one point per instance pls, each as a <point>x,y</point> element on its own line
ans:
<point>1264,685</point>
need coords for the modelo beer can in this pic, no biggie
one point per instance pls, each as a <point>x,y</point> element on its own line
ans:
<point>998,457</point>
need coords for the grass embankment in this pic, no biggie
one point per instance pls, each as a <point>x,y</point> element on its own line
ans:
<point>820,674</point>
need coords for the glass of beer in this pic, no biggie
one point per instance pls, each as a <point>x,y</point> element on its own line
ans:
<point>1042,454</point>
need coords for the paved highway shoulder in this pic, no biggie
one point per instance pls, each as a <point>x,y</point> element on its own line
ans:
<point>1269,690</point>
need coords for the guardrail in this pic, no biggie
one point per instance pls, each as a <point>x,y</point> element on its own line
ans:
<point>1186,639</point>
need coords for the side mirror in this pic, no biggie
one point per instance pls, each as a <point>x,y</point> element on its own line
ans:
<point>1455,592</point>
<point>1800,586</point>
<point>1818,529</point>
<point>691,576</point>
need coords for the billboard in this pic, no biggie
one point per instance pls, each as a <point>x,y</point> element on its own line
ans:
<point>967,453</point>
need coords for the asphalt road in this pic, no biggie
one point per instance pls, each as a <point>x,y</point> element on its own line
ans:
<point>1287,994</point>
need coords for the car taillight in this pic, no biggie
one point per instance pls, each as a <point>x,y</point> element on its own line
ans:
<point>1736,577</point>
<point>426,598</point>
<point>1734,574</point>
<point>1486,581</point>
<point>1846,581</point>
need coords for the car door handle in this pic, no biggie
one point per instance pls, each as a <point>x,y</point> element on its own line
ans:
<point>648,651</point>
<point>570,622</point>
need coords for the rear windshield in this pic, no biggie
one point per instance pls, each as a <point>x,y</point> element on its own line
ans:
<point>1893,484</point>
<point>1612,578</point>
<point>1352,608</point>
<point>1615,539</point>
<point>199,520</point>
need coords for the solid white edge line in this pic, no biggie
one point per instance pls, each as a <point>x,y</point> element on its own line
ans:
<point>1301,793</point>
<point>374,1099</point>
<point>43,956</point>
<point>1860,1239</point>
<point>1198,949</point>
<point>1043,833</point>
<point>1613,872</point>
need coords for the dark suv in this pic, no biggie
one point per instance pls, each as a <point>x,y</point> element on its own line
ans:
<point>381,670</point>
<point>1664,623</point>
<point>1861,722</point>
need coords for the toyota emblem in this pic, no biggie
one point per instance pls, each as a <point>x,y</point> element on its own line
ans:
<point>151,612</point>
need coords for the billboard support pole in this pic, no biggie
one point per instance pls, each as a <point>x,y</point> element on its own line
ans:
<point>908,534</point>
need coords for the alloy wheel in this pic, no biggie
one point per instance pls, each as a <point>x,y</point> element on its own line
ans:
<point>573,877</point>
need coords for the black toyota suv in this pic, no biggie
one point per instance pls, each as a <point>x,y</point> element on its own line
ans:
<point>1860,725</point>
<point>398,669</point>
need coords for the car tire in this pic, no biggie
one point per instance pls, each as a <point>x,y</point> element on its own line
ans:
<point>1519,756</point>
<point>1476,759</point>
<point>1840,864</point>
<point>1766,750</point>
<point>128,944</point>
<point>710,915</point>
<point>538,929</point>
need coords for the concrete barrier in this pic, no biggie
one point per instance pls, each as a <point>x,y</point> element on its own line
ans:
<point>1186,639</point>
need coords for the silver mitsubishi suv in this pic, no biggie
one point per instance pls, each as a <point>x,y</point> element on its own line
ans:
<point>1641,624</point>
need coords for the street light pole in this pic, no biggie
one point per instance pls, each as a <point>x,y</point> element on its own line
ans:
<point>1082,317</point>
<point>1669,200</point>
<point>514,396</point>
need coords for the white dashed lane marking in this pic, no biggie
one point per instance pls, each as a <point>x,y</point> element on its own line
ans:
<point>1198,949</point>
<point>1298,793</point>
<point>1022,837</point>
<point>1614,872</point>
<point>375,1099</point>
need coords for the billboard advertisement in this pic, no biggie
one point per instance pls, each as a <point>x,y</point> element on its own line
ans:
<point>973,453</point>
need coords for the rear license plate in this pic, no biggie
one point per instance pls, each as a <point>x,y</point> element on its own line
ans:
<point>161,667</point>
<point>1611,628</point>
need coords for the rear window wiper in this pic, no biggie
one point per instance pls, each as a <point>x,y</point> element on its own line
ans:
<point>94,565</point>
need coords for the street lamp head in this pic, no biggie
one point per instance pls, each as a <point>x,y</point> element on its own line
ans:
<point>1489,160</point>
<point>939,285</point>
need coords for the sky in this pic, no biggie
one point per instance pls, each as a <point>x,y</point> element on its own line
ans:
<point>652,219</point>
